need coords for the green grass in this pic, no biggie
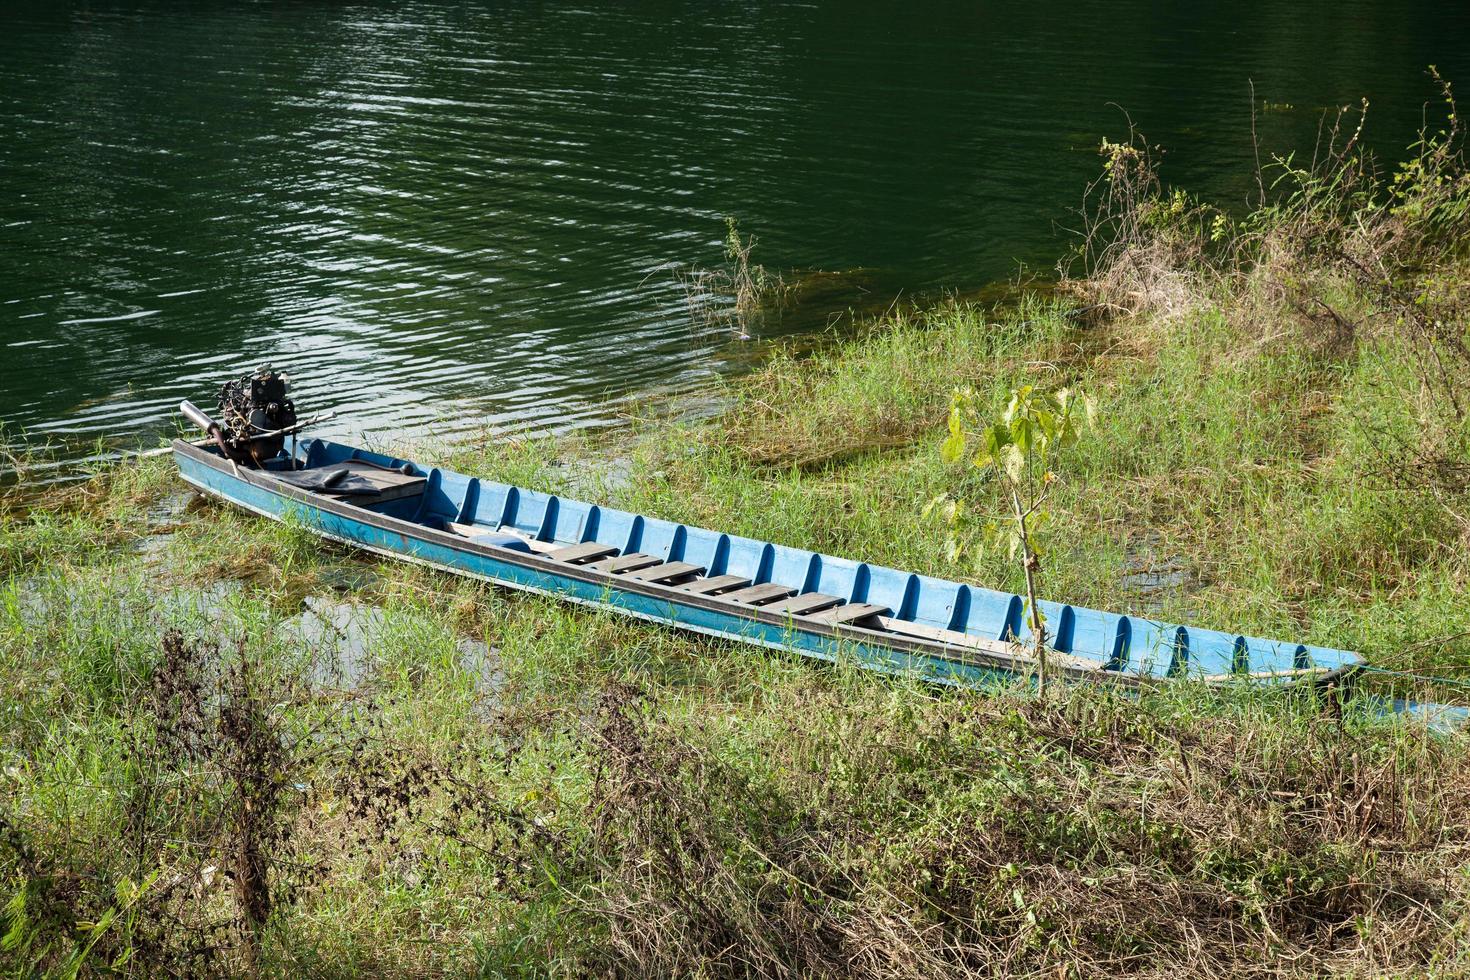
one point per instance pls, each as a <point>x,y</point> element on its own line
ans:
<point>624,798</point>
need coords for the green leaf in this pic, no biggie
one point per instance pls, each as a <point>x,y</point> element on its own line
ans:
<point>952,448</point>
<point>997,437</point>
<point>1021,433</point>
<point>1020,442</point>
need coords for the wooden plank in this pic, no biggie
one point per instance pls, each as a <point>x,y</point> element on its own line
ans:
<point>666,572</point>
<point>533,542</point>
<point>626,563</point>
<point>715,584</point>
<point>376,466</point>
<point>852,612</point>
<point>578,554</point>
<point>757,594</point>
<point>952,638</point>
<point>1259,675</point>
<point>1012,651</point>
<point>808,602</point>
<point>376,473</point>
<point>391,484</point>
<point>473,531</point>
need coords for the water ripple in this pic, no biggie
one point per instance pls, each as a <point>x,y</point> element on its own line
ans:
<point>442,216</point>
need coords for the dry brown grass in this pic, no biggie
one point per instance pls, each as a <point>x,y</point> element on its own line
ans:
<point>1338,260</point>
<point>1074,837</point>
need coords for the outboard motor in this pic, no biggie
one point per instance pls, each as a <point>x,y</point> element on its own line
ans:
<point>252,406</point>
<point>257,417</point>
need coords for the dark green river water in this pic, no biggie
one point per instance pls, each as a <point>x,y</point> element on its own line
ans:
<point>446,215</point>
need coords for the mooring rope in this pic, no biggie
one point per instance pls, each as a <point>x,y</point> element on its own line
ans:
<point>1458,682</point>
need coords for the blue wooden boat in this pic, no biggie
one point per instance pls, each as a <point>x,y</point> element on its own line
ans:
<point>722,584</point>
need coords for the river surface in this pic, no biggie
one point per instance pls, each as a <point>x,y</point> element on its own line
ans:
<point>447,217</point>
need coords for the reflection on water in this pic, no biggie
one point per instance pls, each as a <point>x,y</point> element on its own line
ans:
<point>444,215</point>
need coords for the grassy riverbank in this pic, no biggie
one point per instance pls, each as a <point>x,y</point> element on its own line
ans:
<point>225,745</point>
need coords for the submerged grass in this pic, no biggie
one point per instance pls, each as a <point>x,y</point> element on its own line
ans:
<point>226,746</point>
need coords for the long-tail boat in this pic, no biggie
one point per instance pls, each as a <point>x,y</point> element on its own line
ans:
<point>724,585</point>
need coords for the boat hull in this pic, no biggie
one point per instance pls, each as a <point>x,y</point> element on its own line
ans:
<point>976,662</point>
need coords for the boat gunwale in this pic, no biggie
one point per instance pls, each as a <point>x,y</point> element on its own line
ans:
<point>1018,663</point>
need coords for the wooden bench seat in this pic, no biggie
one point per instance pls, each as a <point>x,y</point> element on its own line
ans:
<point>666,572</point>
<point>472,531</point>
<point>626,563</point>
<point>852,612</point>
<point>581,554</point>
<point>716,584</point>
<point>757,594</point>
<point>390,484</point>
<point>801,605</point>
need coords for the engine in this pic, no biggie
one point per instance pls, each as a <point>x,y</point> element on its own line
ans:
<point>252,411</point>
